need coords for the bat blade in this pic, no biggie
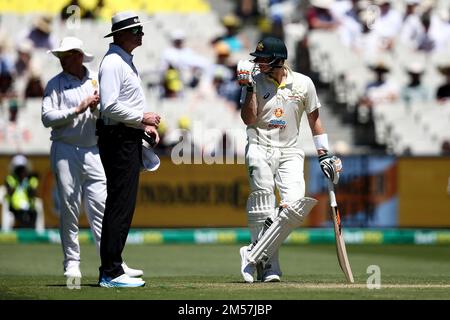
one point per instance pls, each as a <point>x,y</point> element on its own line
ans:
<point>340,245</point>
<point>339,236</point>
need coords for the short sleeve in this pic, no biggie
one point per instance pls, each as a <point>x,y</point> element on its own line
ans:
<point>312,100</point>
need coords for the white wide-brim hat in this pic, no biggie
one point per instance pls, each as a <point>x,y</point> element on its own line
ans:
<point>124,20</point>
<point>150,160</point>
<point>323,4</point>
<point>415,68</point>
<point>72,43</point>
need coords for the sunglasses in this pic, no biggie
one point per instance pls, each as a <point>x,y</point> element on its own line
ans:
<point>137,30</point>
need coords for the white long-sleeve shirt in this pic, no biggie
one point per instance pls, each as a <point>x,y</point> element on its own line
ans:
<point>62,95</point>
<point>122,98</point>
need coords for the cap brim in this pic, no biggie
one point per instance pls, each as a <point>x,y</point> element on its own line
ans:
<point>127,27</point>
<point>260,55</point>
<point>444,69</point>
<point>87,57</point>
<point>380,68</point>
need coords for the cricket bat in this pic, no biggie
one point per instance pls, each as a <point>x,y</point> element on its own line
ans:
<point>339,236</point>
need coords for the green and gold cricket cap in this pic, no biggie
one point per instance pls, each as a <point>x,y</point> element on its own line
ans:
<point>270,47</point>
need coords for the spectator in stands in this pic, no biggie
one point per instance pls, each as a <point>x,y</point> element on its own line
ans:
<point>246,8</point>
<point>41,33</point>
<point>425,41</point>
<point>443,91</point>
<point>22,187</point>
<point>381,90</point>
<point>179,65</point>
<point>232,36</point>
<point>220,77</point>
<point>24,58</point>
<point>34,87</point>
<point>412,26</point>
<point>13,107</point>
<point>385,28</point>
<point>445,148</point>
<point>411,6</point>
<point>6,63</point>
<point>172,83</point>
<point>354,25</point>
<point>6,82</point>
<point>415,91</point>
<point>6,68</point>
<point>319,15</point>
<point>427,32</point>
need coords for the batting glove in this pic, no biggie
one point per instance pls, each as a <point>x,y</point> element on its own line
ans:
<point>244,73</point>
<point>331,166</point>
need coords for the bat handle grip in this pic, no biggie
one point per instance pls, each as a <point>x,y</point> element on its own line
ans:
<point>331,193</point>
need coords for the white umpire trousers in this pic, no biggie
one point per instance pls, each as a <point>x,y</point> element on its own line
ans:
<point>80,177</point>
<point>276,167</point>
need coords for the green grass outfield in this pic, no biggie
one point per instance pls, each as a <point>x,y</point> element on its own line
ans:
<point>175,271</point>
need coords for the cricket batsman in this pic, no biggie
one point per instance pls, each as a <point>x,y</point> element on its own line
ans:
<point>273,101</point>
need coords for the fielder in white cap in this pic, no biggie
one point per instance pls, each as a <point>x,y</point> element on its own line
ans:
<point>69,107</point>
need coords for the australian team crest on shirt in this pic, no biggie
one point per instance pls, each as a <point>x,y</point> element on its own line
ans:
<point>278,112</point>
<point>94,83</point>
<point>277,123</point>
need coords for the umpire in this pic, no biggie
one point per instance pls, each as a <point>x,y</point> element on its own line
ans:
<point>120,129</point>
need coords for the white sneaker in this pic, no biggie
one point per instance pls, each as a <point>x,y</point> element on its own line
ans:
<point>271,278</point>
<point>272,271</point>
<point>247,268</point>
<point>132,272</point>
<point>123,281</point>
<point>73,272</point>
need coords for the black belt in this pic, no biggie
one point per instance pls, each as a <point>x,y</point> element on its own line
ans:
<point>102,128</point>
<point>120,128</point>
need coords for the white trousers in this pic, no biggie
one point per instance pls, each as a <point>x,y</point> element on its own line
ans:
<point>269,168</point>
<point>80,178</point>
<point>276,167</point>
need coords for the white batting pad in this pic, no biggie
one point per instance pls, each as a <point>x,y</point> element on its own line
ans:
<point>260,206</point>
<point>290,217</point>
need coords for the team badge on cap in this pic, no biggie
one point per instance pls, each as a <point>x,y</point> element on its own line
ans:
<point>260,46</point>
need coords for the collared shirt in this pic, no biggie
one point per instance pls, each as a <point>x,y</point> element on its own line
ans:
<point>63,94</point>
<point>280,108</point>
<point>121,95</point>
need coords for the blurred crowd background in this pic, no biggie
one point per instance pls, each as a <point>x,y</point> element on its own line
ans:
<point>381,68</point>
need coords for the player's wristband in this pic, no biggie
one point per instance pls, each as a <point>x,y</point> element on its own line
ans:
<point>250,89</point>
<point>321,142</point>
